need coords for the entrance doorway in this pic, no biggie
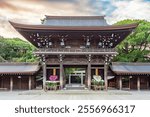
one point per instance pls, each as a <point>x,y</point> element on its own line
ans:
<point>75,76</point>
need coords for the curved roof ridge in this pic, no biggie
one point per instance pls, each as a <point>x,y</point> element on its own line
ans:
<point>78,16</point>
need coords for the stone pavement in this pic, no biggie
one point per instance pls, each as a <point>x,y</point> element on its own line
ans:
<point>75,95</point>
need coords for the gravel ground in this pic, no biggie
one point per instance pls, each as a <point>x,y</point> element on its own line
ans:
<point>75,95</point>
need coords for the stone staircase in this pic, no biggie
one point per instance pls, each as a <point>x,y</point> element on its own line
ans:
<point>75,87</point>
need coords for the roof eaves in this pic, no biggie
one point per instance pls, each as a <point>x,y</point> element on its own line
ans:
<point>47,27</point>
<point>131,73</point>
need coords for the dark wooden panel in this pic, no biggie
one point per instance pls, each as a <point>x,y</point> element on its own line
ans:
<point>25,83</point>
<point>16,83</point>
<point>133,83</point>
<point>6,82</point>
<point>21,83</point>
<point>112,83</point>
<point>125,82</point>
<point>143,82</point>
<point>33,82</point>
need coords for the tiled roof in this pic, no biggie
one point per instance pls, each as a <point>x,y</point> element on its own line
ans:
<point>75,21</point>
<point>18,68</point>
<point>131,68</point>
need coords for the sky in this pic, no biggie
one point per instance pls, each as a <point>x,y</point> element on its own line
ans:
<point>31,11</point>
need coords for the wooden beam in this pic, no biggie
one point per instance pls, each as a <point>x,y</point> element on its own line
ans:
<point>11,83</point>
<point>138,83</point>
<point>52,67</point>
<point>105,76</point>
<point>97,67</point>
<point>30,82</point>
<point>76,53</point>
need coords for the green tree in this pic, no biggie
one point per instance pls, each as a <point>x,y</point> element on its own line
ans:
<point>16,50</point>
<point>135,48</point>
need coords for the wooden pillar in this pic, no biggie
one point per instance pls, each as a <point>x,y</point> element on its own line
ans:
<point>30,79</point>
<point>138,83</point>
<point>89,72</point>
<point>105,76</point>
<point>61,72</point>
<point>81,78</point>
<point>129,82</point>
<point>120,83</point>
<point>11,83</point>
<point>61,75</point>
<point>148,82</point>
<point>89,75</point>
<point>69,79</point>
<point>44,75</point>
<point>20,83</point>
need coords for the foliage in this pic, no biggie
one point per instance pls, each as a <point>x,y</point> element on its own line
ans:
<point>51,86</point>
<point>2,59</point>
<point>70,70</point>
<point>135,48</point>
<point>16,50</point>
<point>98,83</point>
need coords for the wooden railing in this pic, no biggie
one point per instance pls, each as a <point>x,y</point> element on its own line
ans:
<point>75,50</point>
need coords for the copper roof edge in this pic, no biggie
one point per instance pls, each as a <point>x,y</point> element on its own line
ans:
<point>45,27</point>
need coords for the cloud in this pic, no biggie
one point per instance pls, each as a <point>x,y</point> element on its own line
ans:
<point>25,11</point>
<point>129,9</point>
<point>101,7</point>
<point>31,11</point>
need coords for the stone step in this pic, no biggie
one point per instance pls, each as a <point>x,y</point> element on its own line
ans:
<point>75,87</point>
